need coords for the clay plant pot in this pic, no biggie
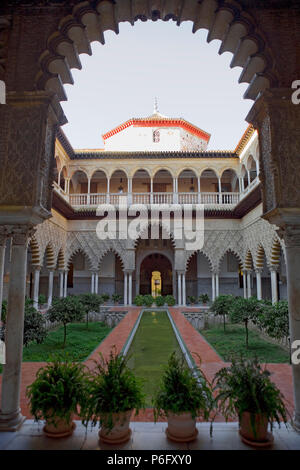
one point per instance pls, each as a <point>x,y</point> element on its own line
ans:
<point>255,432</point>
<point>120,431</point>
<point>181,427</point>
<point>59,427</point>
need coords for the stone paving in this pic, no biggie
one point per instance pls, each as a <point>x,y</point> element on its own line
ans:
<point>197,345</point>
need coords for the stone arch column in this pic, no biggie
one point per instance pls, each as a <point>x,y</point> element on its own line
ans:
<point>277,119</point>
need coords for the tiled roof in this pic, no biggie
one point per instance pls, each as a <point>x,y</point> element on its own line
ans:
<point>244,139</point>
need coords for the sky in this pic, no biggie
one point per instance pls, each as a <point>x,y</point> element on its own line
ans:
<point>156,59</point>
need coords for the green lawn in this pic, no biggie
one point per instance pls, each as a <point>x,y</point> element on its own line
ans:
<point>150,349</point>
<point>232,342</point>
<point>80,342</point>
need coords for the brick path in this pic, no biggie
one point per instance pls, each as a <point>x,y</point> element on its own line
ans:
<point>197,345</point>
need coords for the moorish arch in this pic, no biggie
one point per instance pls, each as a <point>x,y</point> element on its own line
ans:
<point>248,261</point>
<point>84,23</point>
<point>35,252</point>
<point>73,29</point>
<point>61,260</point>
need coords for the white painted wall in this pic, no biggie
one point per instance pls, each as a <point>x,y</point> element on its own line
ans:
<point>141,139</point>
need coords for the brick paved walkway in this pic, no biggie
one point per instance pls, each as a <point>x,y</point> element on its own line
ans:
<point>197,345</point>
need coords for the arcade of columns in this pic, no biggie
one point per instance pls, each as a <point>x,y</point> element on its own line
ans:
<point>40,45</point>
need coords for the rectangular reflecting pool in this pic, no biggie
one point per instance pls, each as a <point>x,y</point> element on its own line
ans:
<point>150,349</point>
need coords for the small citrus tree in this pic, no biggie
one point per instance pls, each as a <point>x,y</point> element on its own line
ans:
<point>91,303</point>
<point>244,310</point>
<point>66,310</point>
<point>221,306</point>
<point>34,325</point>
<point>275,319</point>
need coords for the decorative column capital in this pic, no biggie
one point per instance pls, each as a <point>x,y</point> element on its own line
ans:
<point>290,235</point>
<point>277,119</point>
<point>36,267</point>
<point>19,233</point>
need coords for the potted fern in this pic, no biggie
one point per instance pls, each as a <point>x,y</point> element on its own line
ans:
<point>113,393</point>
<point>203,298</point>
<point>105,298</point>
<point>192,299</point>
<point>245,390</point>
<point>180,398</point>
<point>116,298</point>
<point>56,395</point>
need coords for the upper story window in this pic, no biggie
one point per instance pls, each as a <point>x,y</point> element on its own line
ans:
<point>156,136</point>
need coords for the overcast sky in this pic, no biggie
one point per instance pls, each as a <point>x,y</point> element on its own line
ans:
<point>120,80</point>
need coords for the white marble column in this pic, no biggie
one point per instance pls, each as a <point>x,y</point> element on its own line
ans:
<point>291,237</point>
<point>257,167</point>
<point>93,283</point>
<point>151,190</point>
<point>10,417</point>
<point>2,261</point>
<point>129,288</point>
<point>217,284</point>
<point>199,190</point>
<point>183,289</point>
<point>88,197</point>
<point>274,288</point>
<point>65,283</point>
<point>220,185</point>
<point>249,179</point>
<point>175,185</point>
<point>258,284</point>
<point>249,293</point>
<point>96,283</point>
<point>213,287</point>
<point>245,283</point>
<point>50,288</point>
<point>61,284</point>
<point>108,189</point>
<point>125,288</point>
<point>179,288</point>
<point>36,286</point>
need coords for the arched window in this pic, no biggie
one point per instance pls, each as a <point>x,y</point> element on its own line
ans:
<point>156,136</point>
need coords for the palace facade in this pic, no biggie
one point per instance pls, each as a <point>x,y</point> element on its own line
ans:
<point>152,161</point>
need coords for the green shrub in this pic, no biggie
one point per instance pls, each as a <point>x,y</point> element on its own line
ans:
<point>245,386</point>
<point>148,300</point>
<point>42,299</point>
<point>170,300</point>
<point>180,391</point>
<point>34,325</point>
<point>160,301</point>
<point>66,310</point>
<point>4,311</point>
<point>275,319</point>
<point>58,390</point>
<point>113,388</point>
<point>139,300</point>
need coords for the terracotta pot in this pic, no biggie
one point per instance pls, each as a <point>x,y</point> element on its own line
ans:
<point>120,432</point>
<point>59,427</point>
<point>257,431</point>
<point>181,427</point>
